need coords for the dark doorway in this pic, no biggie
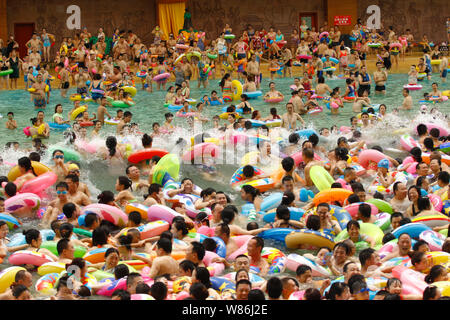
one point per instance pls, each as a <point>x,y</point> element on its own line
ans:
<point>22,34</point>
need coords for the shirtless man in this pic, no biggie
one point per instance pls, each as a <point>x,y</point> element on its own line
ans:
<point>289,119</point>
<point>121,48</point>
<point>402,249</point>
<point>134,174</point>
<point>34,44</point>
<point>80,80</point>
<point>407,102</point>
<point>41,121</point>
<point>254,248</point>
<point>35,58</point>
<point>380,78</point>
<point>187,69</point>
<point>39,95</point>
<point>308,159</point>
<point>11,123</point>
<point>55,207</point>
<point>65,250</point>
<point>100,46</point>
<point>59,168</point>
<point>223,232</point>
<point>126,120</point>
<point>273,93</point>
<point>75,195</point>
<point>116,76</point>
<point>82,187</point>
<point>299,106</point>
<point>101,111</point>
<point>254,70</point>
<point>163,263</point>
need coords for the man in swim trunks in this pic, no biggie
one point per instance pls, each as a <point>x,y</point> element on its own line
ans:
<point>443,67</point>
<point>80,79</point>
<point>39,95</point>
<point>380,78</point>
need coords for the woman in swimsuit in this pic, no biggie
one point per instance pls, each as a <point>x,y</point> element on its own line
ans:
<point>47,44</point>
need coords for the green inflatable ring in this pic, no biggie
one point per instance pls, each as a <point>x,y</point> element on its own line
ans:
<point>51,246</point>
<point>82,232</point>
<point>120,104</point>
<point>100,274</point>
<point>6,72</point>
<point>321,178</point>
<point>383,206</point>
<point>212,56</point>
<point>444,232</point>
<point>69,154</point>
<point>168,164</point>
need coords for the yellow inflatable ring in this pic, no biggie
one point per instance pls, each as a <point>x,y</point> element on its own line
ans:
<point>236,87</point>
<point>321,178</point>
<point>77,111</point>
<point>38,167</point>
<point>131,90</point>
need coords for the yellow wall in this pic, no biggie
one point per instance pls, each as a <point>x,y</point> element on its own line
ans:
<point>3,21</point>
<point>342,8</point>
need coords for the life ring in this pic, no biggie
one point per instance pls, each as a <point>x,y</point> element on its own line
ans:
<point>236,88</point>
<point>77,112</point>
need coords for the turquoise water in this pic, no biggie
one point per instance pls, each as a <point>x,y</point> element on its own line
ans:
<point>149,109</point>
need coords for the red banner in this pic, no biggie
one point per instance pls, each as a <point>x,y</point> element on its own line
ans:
<point>342,20</point>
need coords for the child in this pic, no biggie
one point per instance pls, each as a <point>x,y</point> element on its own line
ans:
<point>11,124</point>
<point>168,126</point>
<point>412,75</point>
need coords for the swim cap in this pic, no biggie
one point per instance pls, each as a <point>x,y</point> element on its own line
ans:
<point>73,167</point>
<point>383,163</point>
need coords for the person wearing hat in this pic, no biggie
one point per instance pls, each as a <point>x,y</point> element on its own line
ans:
<point>384,178</point>
<point>82,187</point>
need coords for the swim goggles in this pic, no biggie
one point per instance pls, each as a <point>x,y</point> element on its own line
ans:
<point>61,192</point>
<point>59,157</point>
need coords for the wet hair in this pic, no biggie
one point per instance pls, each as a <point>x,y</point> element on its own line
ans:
<point>62,245</point>
<point>146,140</point>
<point>181,225</point>
<point>90,218</point>
<point>105,197</point>
<point>365,210</point>
<point>198,291</point>
<point>344,246</point>
<point>256,294</point>
<point>66,230</point>
<point>159,290</point>
<point>25,163</point>
<point>283,212</point>
<point>274,287</point>
<point>430,292</point>
<point>353,198</point>
<point>336,289</point>
<point>198,249</point>
<point>252,226</point>
<point>288,164</point>
<point>30,235</point>
<point>202,274</point>
<point>135,217</point>
<point>209,244</point>
<point>111,143</point>
<point>301,269</point>
<point>187,265</point>
<point>164,244</point>
<point>435,272</point>
<point>125,182</point>
<point>69,210</point>
<point>142,288</point>
<point>121,271</point>
<point>251,190</point>
<point>99,237</point>
<point>313,222</point>
<point>312,294</point>
<point>10,189</point>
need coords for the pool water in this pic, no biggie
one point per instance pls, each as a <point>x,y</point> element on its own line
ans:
<point>149,109</point>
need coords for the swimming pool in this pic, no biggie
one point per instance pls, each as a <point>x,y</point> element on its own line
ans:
<point>149,109</point>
